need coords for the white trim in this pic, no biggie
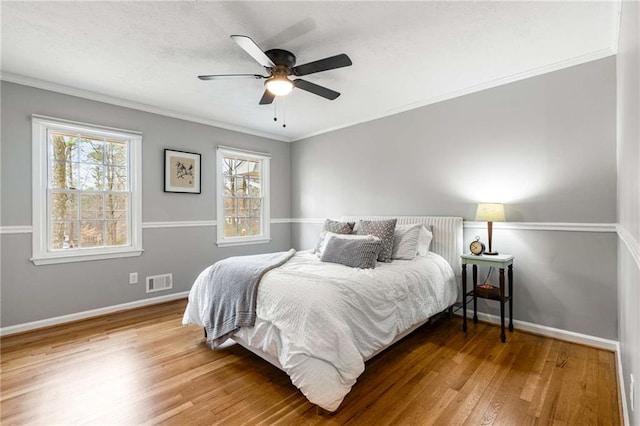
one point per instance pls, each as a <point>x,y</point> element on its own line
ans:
<point>48,322</point>
<point>178,224</point>
<point>86,94</point>
<point>20,229</point>
<point>27,229</point>
<point>265,176</point>
<point>247,152</point>
<point>282,220</point>
<point>42,254</point>
<point>41,84</point>
<point>556,333</point>
<point>307,220</point>
<point>243,242</point>
<point>545,226</point>
<point>621,388</point>
<point>84,257</point>
<point>603,53</point>
<point>632,244</point>
<point>617,19</point>
<point>80,126</point>
<point>520,226</point>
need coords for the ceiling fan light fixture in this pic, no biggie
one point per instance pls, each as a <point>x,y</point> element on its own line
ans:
<point>279,85</point>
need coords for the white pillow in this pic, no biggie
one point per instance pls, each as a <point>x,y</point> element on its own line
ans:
<point>328,235</point>
<point>405,241</point>
<point>424,241</point>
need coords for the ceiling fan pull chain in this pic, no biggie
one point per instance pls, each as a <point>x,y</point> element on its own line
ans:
<point>284,113</point>
<point>275,109</point>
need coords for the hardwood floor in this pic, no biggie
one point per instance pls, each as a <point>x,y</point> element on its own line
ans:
<point>143,367</point>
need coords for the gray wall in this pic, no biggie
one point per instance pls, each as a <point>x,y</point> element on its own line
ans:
<point>31,293</point>
<point>545,146</point>
<point>628,81</point>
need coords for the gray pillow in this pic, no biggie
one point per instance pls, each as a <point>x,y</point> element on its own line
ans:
<point>356,253</point>
<point>335,227</point>
<point>382,229</point>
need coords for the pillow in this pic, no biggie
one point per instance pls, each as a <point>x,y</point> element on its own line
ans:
<point>405,241</point>
<point>328,235</point>
<point>335,227</point>
<point>424,241</point>
<point>382,229</point>
<point>354,252</point>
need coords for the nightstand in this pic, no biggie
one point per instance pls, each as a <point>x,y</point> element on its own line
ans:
<point>500,262</point>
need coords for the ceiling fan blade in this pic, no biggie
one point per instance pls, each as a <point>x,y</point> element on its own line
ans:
<point>250,46</point>
<point>315,89</point>
<point>325,64</point>
<point>225,76</point>
<point>267,98</point>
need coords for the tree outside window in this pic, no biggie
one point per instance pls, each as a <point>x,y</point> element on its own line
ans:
<point>243,215</point>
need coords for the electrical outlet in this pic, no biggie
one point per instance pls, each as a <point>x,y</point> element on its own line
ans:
<point>632,385</point>
<point>133,278</point>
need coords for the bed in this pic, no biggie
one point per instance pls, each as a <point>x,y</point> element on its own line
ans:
<point>319,322</point>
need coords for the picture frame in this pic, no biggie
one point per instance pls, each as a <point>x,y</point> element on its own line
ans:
<point>182,171</point>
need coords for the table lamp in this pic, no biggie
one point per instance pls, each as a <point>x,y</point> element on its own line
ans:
<point>491,212</point>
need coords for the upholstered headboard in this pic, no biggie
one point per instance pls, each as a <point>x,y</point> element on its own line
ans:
<point>447,234</point>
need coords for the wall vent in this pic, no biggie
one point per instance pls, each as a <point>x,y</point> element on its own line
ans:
<point>159,282</point>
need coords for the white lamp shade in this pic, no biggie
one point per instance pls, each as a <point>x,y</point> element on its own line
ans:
<point>279,86</point>
<point>490,212</point>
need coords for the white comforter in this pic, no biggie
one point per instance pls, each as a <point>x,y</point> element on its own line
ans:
<point>321,321</point>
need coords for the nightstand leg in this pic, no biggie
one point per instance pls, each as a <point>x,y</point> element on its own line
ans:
<point>503,336</point>
<point>510,277</point>
<point>475,298</point>
<point>464,297</point>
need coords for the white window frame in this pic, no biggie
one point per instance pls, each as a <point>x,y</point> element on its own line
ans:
<point>42,255</point>
<point>264,159</point>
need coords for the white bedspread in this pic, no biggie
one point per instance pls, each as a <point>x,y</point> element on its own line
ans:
<point>322,320</point>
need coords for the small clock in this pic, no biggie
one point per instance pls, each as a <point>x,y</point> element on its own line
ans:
<point>477,247</point>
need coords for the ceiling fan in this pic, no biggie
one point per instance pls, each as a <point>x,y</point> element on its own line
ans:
<point>280,64</point>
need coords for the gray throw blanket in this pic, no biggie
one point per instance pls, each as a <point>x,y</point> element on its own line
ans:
<point>235,291</point>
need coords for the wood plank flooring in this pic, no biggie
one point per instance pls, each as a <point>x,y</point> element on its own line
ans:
<point>143,367</point>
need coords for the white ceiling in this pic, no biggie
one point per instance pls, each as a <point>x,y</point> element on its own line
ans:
<point>405,54</point>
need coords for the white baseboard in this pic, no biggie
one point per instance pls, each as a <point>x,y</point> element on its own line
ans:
<point>623,393</point>
<point>556,333</point>
<point>20,328</point>
<point>569,336</point>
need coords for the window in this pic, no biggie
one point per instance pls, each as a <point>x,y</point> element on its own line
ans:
<point>86,192</point>
<point>242,197</point>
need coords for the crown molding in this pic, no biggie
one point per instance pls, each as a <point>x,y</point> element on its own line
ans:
<point>577,60</point>
<point>112,100</point>
<point>68,90</point>
<point>617,19</point>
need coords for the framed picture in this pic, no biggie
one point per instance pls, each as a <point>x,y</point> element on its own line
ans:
<point>181,171</point>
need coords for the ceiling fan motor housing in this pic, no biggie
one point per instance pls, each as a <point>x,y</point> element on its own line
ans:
<point>282,57</point>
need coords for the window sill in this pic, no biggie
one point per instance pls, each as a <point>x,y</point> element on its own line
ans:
<point>242,243</point>
<point>83,257</point>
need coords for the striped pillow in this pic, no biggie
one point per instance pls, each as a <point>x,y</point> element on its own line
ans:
<point>405,241</point>
<point>354,252</point>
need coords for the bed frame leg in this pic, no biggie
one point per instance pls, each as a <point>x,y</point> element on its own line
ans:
<point>205,332</point>
<point>450,312</point>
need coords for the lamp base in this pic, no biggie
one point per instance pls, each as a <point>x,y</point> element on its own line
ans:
<point>491,253</point>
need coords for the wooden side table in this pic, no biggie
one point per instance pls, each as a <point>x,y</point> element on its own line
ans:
<point>500,261</point>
